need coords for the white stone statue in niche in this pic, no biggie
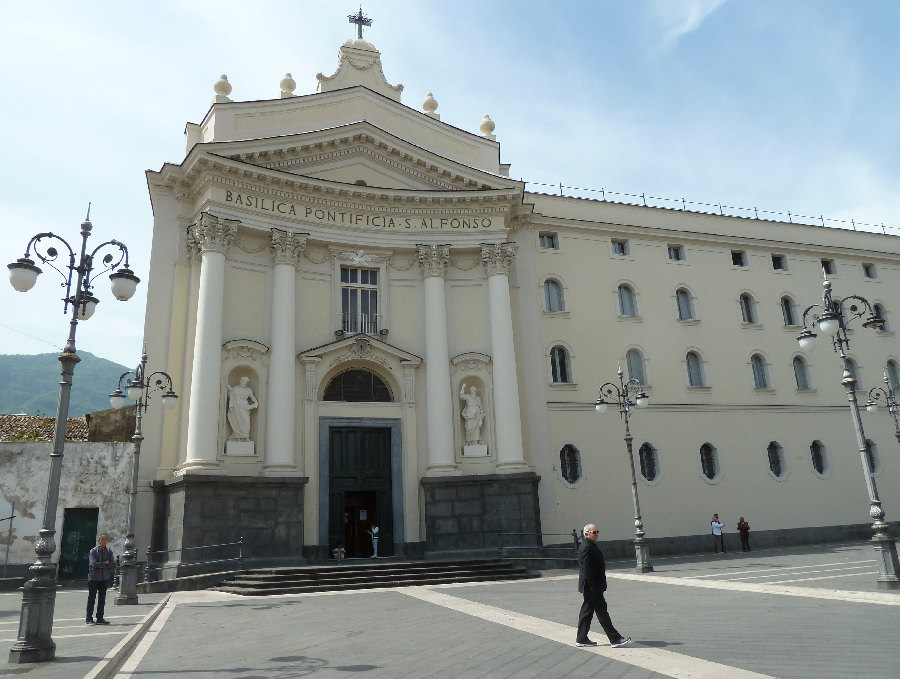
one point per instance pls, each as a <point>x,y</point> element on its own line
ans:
<point>472,413</point>
<point>240,402</point>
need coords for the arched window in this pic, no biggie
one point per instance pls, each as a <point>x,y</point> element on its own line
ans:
<point>570,463</point>
<point>801,373</point>
<point>626,301</point>
<point>776,459</point>
<point>684,305</point>
<point>694,369</point>
<point>893,374</point>
<point>787,311</point>
<point>649,462</point>
<point>872,458</point>
<point>747,312</point>
<point>709,461</point>
<point>635,363</point>
<point>357,385</point>
<point>818,457</point>
<point>878,312</point>
<point>553,296</point>
<point>560,370</point>
<point>760,378</point>
<point>854,371</point>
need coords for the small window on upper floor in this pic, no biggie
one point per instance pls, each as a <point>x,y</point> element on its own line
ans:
<point>553,296</point>
<point>878,312</point>
<point>828,267</point>
<point>760,373</point>
<point>779,262</point>
<point>738,258</point>
<point>549,241</point>
<point>801,374</point>
<point>869,270</point>
<point>892,373</point>
<point>684,305</point>
<point>627,306</point>
<point>560,369</point>
<point>694,366</point>
<point>748,311</point>
<point>620,247</point>
<point>676,253</point>
<point>787,311</point>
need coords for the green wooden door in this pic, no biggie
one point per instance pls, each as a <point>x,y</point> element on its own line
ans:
<point>79,535</point>
<point>360,486</point>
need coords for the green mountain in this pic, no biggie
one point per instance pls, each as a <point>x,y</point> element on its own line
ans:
<point>29,384</point>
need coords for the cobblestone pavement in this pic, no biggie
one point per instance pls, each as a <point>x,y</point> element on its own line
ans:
<point>797,613</point>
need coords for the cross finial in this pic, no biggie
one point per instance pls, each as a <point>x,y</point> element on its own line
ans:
<point>360,20</point>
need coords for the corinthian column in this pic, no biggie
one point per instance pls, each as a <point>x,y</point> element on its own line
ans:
<point>280,403</point>
<point>211,236</point>
<point>438,406</point>
<point>497,260</point>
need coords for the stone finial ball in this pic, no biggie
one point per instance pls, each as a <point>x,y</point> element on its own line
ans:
<point>222,86</point>
<point>487,125</point>
<point>430,104</point>
<point>287,84</point>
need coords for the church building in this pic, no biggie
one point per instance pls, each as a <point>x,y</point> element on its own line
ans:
<point>373,324</point>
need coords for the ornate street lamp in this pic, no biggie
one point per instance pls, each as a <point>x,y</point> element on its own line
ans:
<point>889,397</point>
<point>35,643</point>
<point>832,317</point>
<point>627,395</point>
<point>138,387</point>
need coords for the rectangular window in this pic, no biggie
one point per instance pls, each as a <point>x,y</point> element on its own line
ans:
<point>779,263</point>
<point>676,253</point>
<point>620,247</point>
<point>549,241</point>
<point>869,270</point>
<point>359,300</point>
<point>828,266</point>
<point>738,258</point>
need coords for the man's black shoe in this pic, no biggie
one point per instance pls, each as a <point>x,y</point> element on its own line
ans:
<point>102,621</point>
<point>586,642</point>
<point>621,642</point>
<point>89,621</point>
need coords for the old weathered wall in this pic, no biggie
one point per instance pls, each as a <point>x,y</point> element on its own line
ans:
<point>93,475</point>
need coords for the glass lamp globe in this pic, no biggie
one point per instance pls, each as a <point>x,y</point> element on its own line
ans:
<point>600,407</point>
<point>23,274</point>
<point>169,399</point>
<point>123,283</point>
<point>117,399</point>
<point>829,324</point>
<point>807,339</point>
<point>135,390</point>
<point>87,310</point>
<point>871,407</point>
<point>642,400</point>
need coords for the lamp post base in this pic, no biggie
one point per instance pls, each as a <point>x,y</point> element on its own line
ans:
<point>642,556</point>
<point>35,643</point>
<point>128,576</point>
<point>888,565</point>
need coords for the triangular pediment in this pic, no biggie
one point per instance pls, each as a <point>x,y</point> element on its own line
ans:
<point>360,347</point>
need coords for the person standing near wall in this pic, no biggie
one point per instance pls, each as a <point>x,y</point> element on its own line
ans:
<point>101,567</point>
<point>373,531</point>
<point>744,529</point>
<point>717,528</point>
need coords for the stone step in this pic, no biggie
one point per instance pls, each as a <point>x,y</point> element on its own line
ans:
<point>350,572</point>
<point>264,582</point>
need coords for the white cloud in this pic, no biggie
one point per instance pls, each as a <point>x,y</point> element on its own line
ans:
<point>675,19</point>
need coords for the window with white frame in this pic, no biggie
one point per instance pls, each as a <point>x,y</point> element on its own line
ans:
<point>788,312</point>
<point>570,463</point>
<point>801,373</point>
<point>760,376</point>
<point>748,313</point>
<point>626,296</point>
<point>359,300</point>
<point>619,246</point>
<point>675,253</point>
<point>694,369</point>
<point>892,372</point>
<point>649,462</point>
<point>560,369</point>
<point>709,461</point>
<point>738,258</point>
<point>878,312</point>
<point>776,459</point>
<point>828,267</point>
<point>684,305</point>
<point>779,262</point>
<point>818,457</point>
<point>869,270</point>
<point>634,361</point>
<point>553,295</point>
<point>548,241</point>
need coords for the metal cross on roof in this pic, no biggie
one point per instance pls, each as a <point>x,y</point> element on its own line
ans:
<point>360,20</point>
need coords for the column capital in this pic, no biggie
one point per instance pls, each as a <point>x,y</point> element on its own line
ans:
<point>498,257</point>
<point>212,234</point>
<point>433,259</point>
<point>287,246</point>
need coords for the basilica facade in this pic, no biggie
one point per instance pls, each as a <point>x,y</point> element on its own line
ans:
<point>373,324</point>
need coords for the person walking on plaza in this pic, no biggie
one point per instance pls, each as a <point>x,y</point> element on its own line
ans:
<point>592,584</point>
<point>717,528</point>
<point>101,567</point>
<point>744,529</point>
<point>374,533</point>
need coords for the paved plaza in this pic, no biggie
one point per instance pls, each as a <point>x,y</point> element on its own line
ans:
<point>801,612</point>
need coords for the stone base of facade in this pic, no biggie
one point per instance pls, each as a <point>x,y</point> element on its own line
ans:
<point>468,512</point>
<point>196,510</point>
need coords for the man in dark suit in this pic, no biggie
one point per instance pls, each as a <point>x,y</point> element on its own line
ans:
<point>592,584</point>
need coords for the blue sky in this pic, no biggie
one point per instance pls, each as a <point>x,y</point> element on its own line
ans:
<point>784,106</point>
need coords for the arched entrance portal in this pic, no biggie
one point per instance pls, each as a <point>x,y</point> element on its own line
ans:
<point>360,469</point>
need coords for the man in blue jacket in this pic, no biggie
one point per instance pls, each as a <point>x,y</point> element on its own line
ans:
<point>592,584</point>
<point>101,567</point>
